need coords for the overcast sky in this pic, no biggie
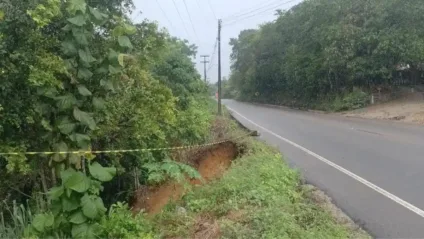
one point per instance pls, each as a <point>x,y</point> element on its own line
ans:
<point>202,29</point>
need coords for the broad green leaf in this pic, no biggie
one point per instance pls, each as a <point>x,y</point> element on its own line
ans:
<point>70,63</point>
<point>101,173</point>
<point>68,192</point>
<point>96,187</point>
<point>69,48</point>
<point>43,109</point>
<point>85,118</point>
<point>82,140</point>
<point>56,192</point>
<point>65,126</point>
<point>98,103</point>
<point>1,15</point>
<point>100,205</point>
<point>113,70</point>
<point>78,20</point>
<point>39,222</point>
<point>59,220</point>
<point>84,231</point>
<point>49,220</point>
<point>66,174</point>
<point>102,70</point>
<point>92,206</point>
<point>43,221</point>
<point>121,58</point>
<point>78,182</point>
<point>124,41</point>
<point>46,125</point>
<point>83,90</point>
<point>49,92</point>
<point>107,84</point>
<point>85,56</point>
<point>69,204</point>
<point>77,218</point>
<point>67,27</point>
<point>76,5</point>
<point>113,55</point>
<point>60,147</point>
<point>130,29</point>
<point>75,159</point>
<point>56,208</point>
<point>118,31</point>
<point>80,36</point>
<point>97,14</point>
<point>84,73</point>
<point>66,101</point>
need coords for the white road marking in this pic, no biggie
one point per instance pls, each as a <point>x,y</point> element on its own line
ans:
<point>376,188</point>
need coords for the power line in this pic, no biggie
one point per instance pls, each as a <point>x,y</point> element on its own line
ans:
<point>166,16</point>
<point>179,14</point>
<point>189,17</point>
<point>255,8</point>
<point>253,15</point>
<point>200,9</point>
<point>213,12</point>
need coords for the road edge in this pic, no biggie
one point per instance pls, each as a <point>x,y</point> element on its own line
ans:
<point>322,199</point>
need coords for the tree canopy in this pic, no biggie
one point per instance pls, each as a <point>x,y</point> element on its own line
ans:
<point>323,48</point>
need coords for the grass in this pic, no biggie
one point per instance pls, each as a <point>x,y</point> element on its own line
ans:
<point>15,222</point>
<point>260,196</point>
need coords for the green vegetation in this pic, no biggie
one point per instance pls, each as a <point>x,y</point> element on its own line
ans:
<point>320,51</point>
<point>258,197</point>
<point>80,75</point>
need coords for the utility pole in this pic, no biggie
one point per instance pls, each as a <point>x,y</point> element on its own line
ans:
<point>219,67</point>
<point>204,64</point>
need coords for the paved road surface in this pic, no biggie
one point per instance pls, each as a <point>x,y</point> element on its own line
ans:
<point>373,170</point>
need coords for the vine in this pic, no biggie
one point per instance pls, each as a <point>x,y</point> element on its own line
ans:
<point>76,207</point>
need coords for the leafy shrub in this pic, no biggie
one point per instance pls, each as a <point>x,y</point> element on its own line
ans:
<point>169,170</point>
<point>355,100</point>
<point>121,223</point>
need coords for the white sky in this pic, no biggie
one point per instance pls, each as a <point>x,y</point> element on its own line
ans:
<point>203,31</point>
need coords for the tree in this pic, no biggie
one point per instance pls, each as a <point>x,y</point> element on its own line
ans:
<point>320,49</point>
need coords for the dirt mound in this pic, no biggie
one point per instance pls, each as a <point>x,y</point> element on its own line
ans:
<point>411,111</point>
<point>210,163</point>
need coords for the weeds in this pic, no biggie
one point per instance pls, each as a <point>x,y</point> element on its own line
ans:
<point>16,222</point>
<point>259,197</point>
<point>354,100</point>
<point>120,223</point>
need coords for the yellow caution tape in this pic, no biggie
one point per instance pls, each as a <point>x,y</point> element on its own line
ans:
<point>126,150</point>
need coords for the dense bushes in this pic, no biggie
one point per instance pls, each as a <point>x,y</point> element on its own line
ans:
<point>322,49</point>
<point>79,75</point>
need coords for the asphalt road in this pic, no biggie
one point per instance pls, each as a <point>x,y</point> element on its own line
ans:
<point>373,170</point>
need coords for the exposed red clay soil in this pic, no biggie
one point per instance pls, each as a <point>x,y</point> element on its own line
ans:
<point>211,164</point>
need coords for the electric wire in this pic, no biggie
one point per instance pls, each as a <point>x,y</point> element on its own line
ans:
<point>249,10</point>
<point>191,22</point>
<point>166,16</point>
<point>179,14</point>
<point>258,13</point>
